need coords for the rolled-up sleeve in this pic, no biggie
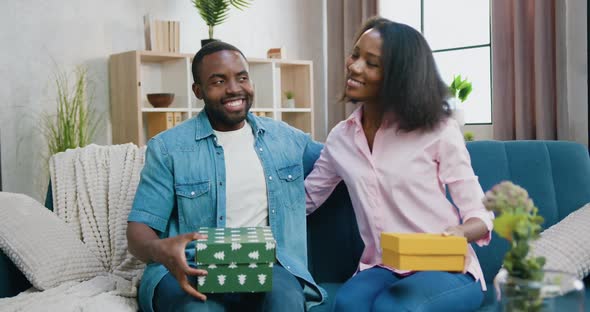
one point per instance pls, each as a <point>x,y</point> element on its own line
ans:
<point>154,198</point>
<point>456,172</point>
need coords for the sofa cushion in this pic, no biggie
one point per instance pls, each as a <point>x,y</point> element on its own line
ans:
<point>564,245</point>
<point>42,246</point>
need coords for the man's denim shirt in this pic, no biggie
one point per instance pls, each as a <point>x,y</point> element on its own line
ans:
<point>182,188</point>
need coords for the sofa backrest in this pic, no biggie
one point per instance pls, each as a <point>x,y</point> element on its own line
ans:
<point>334,245</point>
<point>555,173</point>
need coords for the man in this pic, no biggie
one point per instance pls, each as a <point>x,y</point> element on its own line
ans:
<point>223,168</point>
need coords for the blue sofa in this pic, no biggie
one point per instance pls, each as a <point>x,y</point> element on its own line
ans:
<point>556,174</point>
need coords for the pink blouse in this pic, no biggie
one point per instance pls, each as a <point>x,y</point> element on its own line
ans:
<point>400,185</point>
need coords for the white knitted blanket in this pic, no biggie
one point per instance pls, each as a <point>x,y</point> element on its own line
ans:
<point>93,190</point>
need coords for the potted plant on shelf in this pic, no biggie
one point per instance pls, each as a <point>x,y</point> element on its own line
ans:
<point>518,222</point>
<point>215,12</point>
<point>469,136</point>
<point>460,90</point>
<point>290,99</point>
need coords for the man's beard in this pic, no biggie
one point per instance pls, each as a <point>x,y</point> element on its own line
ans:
<point>218,114</point>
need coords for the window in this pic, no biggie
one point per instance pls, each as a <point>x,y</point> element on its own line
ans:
<point>458,32</point>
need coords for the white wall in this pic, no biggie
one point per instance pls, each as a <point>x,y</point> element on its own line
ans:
<point>39,36</point>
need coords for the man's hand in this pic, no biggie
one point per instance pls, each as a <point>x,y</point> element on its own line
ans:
<point>145,244</point>
<point>170,253</point>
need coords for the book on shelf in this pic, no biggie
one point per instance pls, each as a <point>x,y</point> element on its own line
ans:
<point>158,122</point>
<point>177,118</point>
<point>148,32</point>
<point>161,35</point>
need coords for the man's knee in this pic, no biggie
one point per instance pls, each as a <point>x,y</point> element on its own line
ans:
<point>168,296</point>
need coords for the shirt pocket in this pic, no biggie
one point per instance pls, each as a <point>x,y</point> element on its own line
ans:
<point>291,177</point>
<point>195,204</point>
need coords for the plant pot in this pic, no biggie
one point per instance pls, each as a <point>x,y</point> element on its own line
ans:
<point>205,41</point>
<point>289,103</point>
<point>459,115</point>
<point>558,291</point>
<point>457,110</point>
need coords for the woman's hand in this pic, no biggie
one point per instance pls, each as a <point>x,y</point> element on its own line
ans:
<point>170,253</point>
<point>473,229</point>
<point>454,231</point>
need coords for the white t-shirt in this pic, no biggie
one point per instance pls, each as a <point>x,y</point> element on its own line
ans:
<point>246,200</point>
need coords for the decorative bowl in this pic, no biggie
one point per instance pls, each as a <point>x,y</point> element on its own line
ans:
<point>160,99</point>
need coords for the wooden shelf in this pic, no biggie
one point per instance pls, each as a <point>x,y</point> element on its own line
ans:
<point>154,56</point>
<point>294,110</point>
<point>163,110</point>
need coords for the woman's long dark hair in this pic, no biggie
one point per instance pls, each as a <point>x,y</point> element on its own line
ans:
<point>411,87</point>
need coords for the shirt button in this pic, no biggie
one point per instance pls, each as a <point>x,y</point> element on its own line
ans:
<point>270,177</point>
<point>218,153</point>
<point>288,267</point>
<point>289,177</point>
<point>192,193</point>
<point>221,218</point>
<point>260,149</point>
<point>273,211</point>
<point>221,183</point>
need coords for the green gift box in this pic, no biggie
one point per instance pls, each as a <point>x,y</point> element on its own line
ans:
<point>236,259</point>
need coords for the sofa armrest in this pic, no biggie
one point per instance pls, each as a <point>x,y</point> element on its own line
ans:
<point>13,281</point>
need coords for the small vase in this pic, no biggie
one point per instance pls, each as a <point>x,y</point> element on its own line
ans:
<point>558,291</point>
<point>289,103</point>
<point>457,110</point>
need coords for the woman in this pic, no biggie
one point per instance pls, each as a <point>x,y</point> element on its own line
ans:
<point>396,153</point>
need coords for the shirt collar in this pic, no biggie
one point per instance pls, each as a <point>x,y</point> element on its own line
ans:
<point>204,129</point>
<point>356,118</point>
<point>256,124</point>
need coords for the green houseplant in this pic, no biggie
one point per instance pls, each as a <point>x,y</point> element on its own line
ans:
<point>459,90</point>
<point>72,124</point>
<point>468,136</point>
<point>215,12</point>
<point>518,222</point>
<point>290,99</point>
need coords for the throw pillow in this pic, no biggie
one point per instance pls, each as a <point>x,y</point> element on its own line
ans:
<point>41,245</point>
<point>566,245</point>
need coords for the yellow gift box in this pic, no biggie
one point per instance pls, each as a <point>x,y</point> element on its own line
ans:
<point>423,251</point>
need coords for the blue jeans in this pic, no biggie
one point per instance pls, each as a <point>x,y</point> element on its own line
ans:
<point>286,295</point>
<point>378,289</point>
